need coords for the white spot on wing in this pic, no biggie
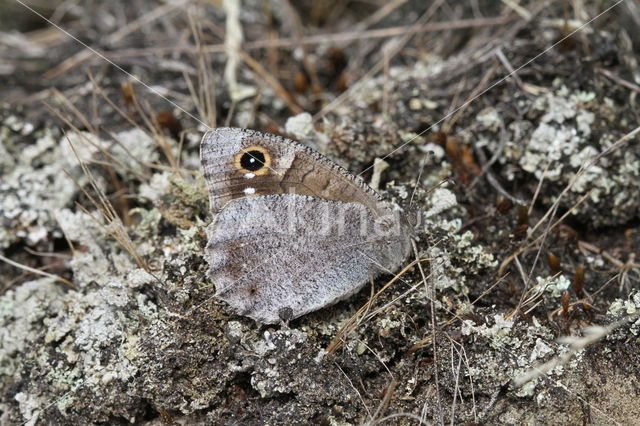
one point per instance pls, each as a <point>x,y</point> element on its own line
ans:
<point>249,175</point>
<point>249,191</point>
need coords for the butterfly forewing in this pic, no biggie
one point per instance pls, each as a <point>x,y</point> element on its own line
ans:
<point>240,162</point>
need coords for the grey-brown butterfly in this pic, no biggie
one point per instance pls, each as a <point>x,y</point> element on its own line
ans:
<point>292,231</point>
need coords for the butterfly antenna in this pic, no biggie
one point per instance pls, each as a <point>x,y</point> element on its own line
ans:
<point>415,187</point>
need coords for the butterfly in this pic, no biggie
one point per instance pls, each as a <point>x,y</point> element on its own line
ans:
<point>292,231</point>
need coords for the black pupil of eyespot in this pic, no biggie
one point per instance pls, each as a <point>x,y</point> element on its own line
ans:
<point>252,160</point>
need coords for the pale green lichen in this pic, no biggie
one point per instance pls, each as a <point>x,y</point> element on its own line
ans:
<point>41,180</point>
<point>30,407</point>
<point>105,333</point>
<point>448,259</point>
<point>157,186</point>
<point>540,350</point>
<point>91,265</point>
<point>553,285</point>
<point>441,200</point>
<point>498,334</point>
<point>517,351</point>
<point>302,128</point>
<point>489,118</point>
<point>560,148</point>
<point>631,307</point>
<point>21,311</point>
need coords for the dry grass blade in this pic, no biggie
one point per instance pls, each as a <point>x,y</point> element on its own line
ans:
<point>526,298</point>
<point>392,51</point>
<point>121,165</point>
<point>85,122</point>
<point>531,297</point>
<point>520,10</point>
<point>143,20</point>
<point>384,404</point>
<point>357,318</point>
<point>592,335</point>
<point>364,404</point>
<point>262,72</point>
<point>204,97</point>
<point>430,292</point>
<point>611,76</point>
<point>37,271</point>
<point>114,226</point>
<point>91,51</point>
<point>536,194</point>
<point>347,36</point>
<point>338,100</point>
<point>116,108</point>
<point>456,372</point>
<point>118,35</point>
<point>380,14</point>
<point>393,318</point>
<point>583,169</point>
<point>456,112</point>
<point>423,342</point>
<point>68,64</point>
<point>584,245</point>
<point>156,133</point>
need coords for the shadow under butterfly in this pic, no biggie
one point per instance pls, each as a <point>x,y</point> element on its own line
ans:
<point>292,231</point>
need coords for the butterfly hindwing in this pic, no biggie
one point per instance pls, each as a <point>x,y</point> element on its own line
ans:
<point>275,252</point>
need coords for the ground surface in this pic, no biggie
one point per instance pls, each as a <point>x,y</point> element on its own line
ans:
<point>526,195</point>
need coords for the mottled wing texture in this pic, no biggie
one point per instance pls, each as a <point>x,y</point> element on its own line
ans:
<point>291,168</point>
<point>287,253</point>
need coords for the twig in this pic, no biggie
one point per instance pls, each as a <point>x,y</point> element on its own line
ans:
<point>280,91</point>
<point>524,13</point>
<point>392,51</point>
<point>629,85</point>
<point>292,42</point>
<point>512,72</point>
<point>233,37</point>
<point>144,20</point>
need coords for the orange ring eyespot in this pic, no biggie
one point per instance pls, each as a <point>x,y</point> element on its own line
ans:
<point>253,159</point>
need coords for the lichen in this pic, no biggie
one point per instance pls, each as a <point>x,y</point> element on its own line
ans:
<point>302,128</point>
<point>553,285</point>
<point>631,307</point>
<point>559,143</point>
